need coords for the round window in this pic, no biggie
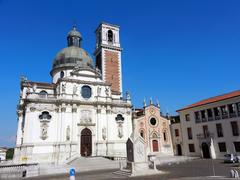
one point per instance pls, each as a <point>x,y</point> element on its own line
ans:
<point>86,92</point>
<point>153,121</point>
<point>61,74</point>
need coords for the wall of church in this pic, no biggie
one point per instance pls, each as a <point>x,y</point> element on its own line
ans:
<point>155,130</point>
<point>58,138</point>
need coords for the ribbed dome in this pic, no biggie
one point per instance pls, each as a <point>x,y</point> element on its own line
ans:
<point>73,55</point>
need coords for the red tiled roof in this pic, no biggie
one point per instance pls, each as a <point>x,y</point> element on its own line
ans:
<point>213,99</point>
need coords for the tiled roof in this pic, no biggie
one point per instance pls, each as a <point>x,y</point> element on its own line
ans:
<point>213,99</point>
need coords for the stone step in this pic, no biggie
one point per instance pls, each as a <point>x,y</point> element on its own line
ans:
<point>93,163</point>
<point>123,173</point>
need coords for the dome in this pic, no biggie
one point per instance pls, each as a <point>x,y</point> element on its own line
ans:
<point>74,32</point>
<point>73,55</point>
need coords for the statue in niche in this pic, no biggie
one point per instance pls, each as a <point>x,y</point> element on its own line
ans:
<point>68,133</point>
<point>44,129</point>
<point>107,91</point>
<point>63,88</point>
<point>120,130</point>
<point>104,133</point>
<point>99,90</point>
<point>75,89</point>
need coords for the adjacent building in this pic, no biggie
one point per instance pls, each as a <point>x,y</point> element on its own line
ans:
<point>3,153</point>
<point>210,128</point>
<point>176,134</point>
<point>83,111</point>
<point>154,129</point>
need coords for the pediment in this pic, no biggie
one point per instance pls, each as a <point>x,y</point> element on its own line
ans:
<point>79,71</point>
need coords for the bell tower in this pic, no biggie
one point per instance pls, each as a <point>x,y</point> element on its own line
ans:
<point>108,55</point>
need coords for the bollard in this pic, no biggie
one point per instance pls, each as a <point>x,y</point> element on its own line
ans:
<point>72,174</point>
<point>236,175</point>
<point>24,173</point>
<point>232,173</point>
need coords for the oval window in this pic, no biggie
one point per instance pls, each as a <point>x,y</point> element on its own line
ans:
<point>153,121</point>
<point>86,92</point>
<point>61,74</point>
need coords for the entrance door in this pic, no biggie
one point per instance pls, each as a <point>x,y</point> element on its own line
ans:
<point>155,145</point>
<point>179,150</point>
<point>205,150</point>
<point>86,142</point>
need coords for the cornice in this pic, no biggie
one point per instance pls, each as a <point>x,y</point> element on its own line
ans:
<point>107,47</point>
<point>78,102</point>
<point>82,82</point>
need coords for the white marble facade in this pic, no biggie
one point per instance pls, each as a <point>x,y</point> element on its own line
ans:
<point>75,115</point>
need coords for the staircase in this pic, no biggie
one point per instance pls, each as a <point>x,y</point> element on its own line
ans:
<point>93,163</point>
<point>123,172</point>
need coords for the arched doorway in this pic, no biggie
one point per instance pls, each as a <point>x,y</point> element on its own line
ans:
<point>205,150</point>
<point>179,150</point>
<point>155,145</point>
<point>86,142</point>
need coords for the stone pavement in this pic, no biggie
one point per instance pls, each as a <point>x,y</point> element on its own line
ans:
<point>161,160</point>
<point>83,164</point>
<point>198,169</point>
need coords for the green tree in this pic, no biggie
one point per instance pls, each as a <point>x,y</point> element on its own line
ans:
<point>10,153</point>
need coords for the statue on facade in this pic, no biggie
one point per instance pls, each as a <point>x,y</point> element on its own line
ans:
<point>104,133</point>
<point>120,130</point>
<point>68,133</point>
<point>128,96</point>
<point>34,88</point>
<point>58,90</point>
<point>63,88</point>
<point>99,90</point>
<point>107,91</point>
<point>28,91</point>
<point>44,133</point>
<point>74,89</point>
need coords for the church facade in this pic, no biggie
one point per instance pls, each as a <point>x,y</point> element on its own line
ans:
<point>83,112</point>
<point>154,129</point>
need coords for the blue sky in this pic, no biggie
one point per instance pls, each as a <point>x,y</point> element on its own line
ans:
<point>177,51</point>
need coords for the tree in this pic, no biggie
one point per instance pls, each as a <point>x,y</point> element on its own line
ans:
<point>10,153</point>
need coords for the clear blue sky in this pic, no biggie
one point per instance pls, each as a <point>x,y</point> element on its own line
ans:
<point>177,51</point>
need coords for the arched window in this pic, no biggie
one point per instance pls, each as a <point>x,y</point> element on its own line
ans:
<point>142,134</point>
<point>43,94</point>
<point>110,36</point>
<point>165,136</point>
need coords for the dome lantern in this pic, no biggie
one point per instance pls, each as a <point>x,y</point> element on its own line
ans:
<point>73,55</point>
<point>74,37</point>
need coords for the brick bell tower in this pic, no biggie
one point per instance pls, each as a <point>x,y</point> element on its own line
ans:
<point>108,56</point>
